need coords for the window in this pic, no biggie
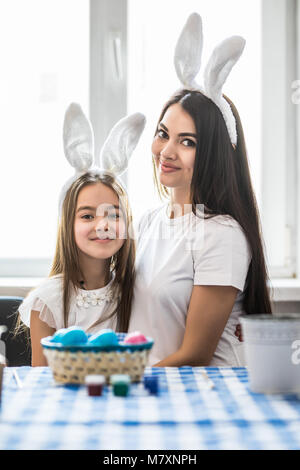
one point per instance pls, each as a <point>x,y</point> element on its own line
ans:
<point>45,66</point>
<point>116,57</point>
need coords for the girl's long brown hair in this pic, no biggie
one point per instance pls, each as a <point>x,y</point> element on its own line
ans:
<point>66,259</point>
<point>221,182</point>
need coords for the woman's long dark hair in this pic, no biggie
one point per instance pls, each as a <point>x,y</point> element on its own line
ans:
<point>221,182</point>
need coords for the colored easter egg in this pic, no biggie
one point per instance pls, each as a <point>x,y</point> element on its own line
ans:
<point>56,338</point>
<point>135,338</point>
<point>105,337</point>
<point>73,336</point>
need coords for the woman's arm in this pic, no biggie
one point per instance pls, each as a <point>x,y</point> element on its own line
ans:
<point>208,313</point>
<point>38,330</point>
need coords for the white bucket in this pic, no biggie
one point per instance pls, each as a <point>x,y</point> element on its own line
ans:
<point>272,352</point>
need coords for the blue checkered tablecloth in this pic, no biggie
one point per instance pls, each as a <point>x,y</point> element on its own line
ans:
<point>186,415</point>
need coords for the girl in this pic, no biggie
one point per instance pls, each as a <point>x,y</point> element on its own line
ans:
<point>92,276</point>
<point>200,261</point>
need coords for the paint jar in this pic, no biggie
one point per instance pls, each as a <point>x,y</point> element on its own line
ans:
<point>272,352</point>
<point>95,384</point>
<point>120,384</point>
<point>151,384</point>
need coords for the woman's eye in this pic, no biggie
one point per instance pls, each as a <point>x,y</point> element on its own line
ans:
<point>188,143</point>
<point>87,217</point>
<point>162,134</point>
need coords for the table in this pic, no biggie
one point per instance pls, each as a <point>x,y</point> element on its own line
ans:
<point>187,414</point>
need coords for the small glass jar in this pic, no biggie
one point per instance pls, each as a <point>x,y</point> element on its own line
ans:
<point>151,384</point>
<point>95,384</point>
<point>120,384</point>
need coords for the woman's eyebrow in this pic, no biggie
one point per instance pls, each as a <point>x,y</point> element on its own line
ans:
<point>163,126</point>
<point>182,134</point>
<point>189,134</point>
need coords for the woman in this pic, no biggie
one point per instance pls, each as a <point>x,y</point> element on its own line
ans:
<point>200,261</point>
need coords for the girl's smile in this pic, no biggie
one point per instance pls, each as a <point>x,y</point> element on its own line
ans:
<point>99,222</point>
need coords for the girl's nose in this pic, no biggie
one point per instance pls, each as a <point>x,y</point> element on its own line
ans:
<point>102,225</point>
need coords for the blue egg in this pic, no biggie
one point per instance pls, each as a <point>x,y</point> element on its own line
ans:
<point>105,337</point>
<point>70,336</point>
<point>56,338</point>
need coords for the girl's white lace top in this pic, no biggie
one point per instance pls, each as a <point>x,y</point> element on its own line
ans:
<point>92,298</point>
<point>86,306</point>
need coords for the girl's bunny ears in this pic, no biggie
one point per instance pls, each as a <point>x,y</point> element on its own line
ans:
<point>187,62</point>
<point>78,140</point>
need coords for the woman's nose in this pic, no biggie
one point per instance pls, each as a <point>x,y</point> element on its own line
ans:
<point>168,150</point>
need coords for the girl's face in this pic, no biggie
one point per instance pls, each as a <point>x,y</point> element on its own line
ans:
<point>100,224</point>
<point>174,148</point>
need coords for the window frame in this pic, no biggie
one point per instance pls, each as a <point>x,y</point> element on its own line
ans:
<point>279,196</point>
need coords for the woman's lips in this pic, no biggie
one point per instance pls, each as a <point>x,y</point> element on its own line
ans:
<point>168,169</point>
<point>102,240</point>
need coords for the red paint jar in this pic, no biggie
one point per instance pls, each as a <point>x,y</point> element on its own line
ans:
<point>95,384</point>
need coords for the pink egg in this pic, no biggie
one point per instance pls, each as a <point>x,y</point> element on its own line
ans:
<point>135,338</point>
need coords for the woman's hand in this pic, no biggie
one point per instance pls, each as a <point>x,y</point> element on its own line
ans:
<point>38,330</point>
<point>208,313</point>
<point>238,333</point>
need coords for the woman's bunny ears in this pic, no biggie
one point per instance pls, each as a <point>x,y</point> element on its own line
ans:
<point>187,62</point>
<point>78,140</point>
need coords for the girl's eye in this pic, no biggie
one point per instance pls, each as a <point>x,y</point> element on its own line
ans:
<point>188,143</point>
<point>114,216</point>
<point>87,217</point>
<point>162,134</point>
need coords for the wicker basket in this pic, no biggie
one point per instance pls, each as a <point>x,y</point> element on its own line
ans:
<point>70,364</point>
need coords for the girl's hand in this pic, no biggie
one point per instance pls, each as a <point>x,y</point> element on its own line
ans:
<point>238,333</point>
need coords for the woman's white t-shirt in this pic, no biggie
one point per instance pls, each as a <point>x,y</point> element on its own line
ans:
<point>86,306</point>
<point>173,255</point>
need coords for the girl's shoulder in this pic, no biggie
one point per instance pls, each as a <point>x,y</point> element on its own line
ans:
<point>50,286</point>
<point>49,292</point>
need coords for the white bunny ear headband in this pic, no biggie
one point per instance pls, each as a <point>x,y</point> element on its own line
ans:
<point>187,62</point>
<point>78,140</point>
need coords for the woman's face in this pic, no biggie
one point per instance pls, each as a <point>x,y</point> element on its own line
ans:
<point>174,148</point>
<point>99,225</point>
